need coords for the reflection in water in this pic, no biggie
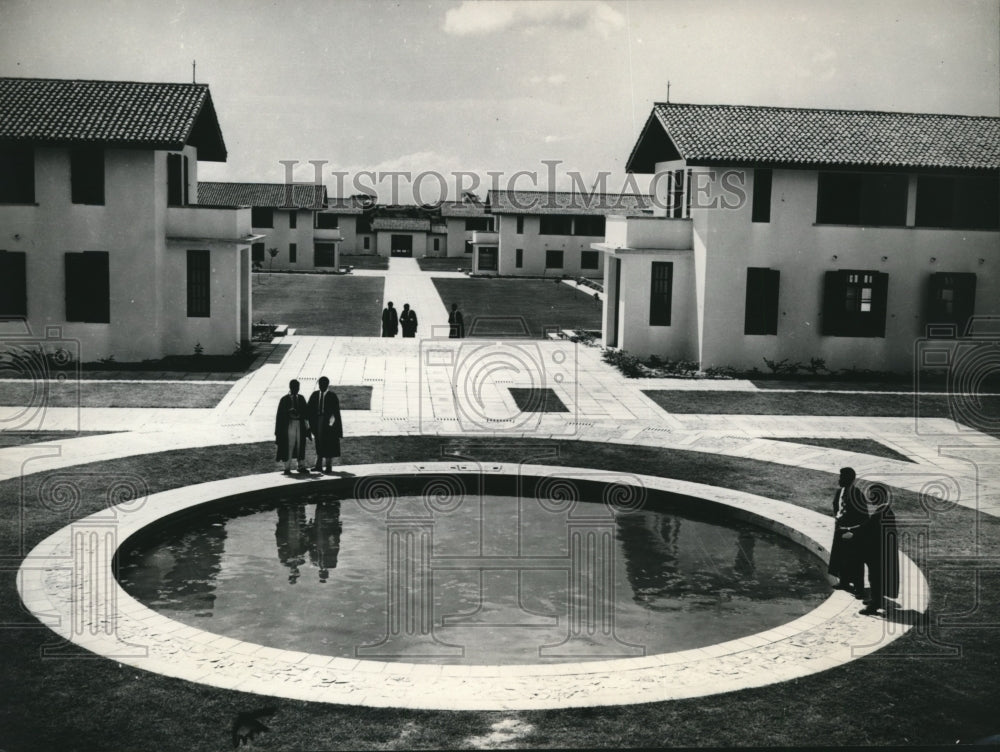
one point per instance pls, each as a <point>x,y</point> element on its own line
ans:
<point>342,584</point>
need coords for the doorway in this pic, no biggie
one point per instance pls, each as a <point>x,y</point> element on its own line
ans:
<point>402,245</point>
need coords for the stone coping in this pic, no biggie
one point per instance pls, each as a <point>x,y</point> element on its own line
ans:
<point>68,584</point>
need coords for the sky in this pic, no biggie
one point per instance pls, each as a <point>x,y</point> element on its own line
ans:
<point>548,87</point>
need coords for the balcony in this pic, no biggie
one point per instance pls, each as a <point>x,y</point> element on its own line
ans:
<point>327,235</point>
<point>209,223</point>
<point>647,233</point>
<point>478,237</point>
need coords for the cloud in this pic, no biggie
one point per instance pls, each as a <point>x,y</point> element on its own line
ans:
<point>531,16</point>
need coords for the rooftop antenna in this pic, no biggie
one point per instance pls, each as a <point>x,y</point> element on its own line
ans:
<point>668,92</point>
<point>194,68</point>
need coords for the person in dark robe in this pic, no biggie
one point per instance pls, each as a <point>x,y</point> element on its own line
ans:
<point>390,321</point>
<point>850,513</point>
<point>326,540</point>
<point>881,550</point>
<point>291,428</point>
<point>325,424</point>
<point>408,321</point>
<point>290,536</point>
<point>456,323</point>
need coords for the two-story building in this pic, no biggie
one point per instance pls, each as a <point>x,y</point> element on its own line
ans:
<point>103,245</point>
<point>802,234</point>
<point>548,233</point>
<point>287,215</point>
<point>460,219</point>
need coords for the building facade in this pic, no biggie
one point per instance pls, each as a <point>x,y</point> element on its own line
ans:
<point>806,235</point>
<point>103,245</point>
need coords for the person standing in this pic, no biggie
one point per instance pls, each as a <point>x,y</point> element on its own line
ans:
<point>390,321</point>
<point>850,512</point>
<point>408,321</point>
<point>457,324</point>
<point>880,550</point>
<point>324,421</point>
<point>290,428</point>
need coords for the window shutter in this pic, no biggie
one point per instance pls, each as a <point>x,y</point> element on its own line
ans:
<point>834,291</point>
<point>880,300</point>
<point>186,185</point>
<point>98,291</point>
<point>965,300</point>
<point>175,191</point>
<point>13,284</point>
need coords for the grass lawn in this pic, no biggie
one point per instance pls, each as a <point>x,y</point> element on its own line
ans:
<point>353,397</point>
<point>447,264</point>
<point>508,307</point>
<point>905,694</point>
<point>112,394</point>
<point>365,261</point>
<point>20,438</point>
<point>320,304</point>
<point>861,446</point>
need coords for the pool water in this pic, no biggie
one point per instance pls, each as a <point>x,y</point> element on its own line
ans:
<point>492,579</point>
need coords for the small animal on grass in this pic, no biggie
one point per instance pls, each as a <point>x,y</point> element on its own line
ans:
<point>247,725</point>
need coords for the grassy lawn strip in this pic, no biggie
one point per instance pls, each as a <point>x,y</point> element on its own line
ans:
<point>112,394</point>
<point>543,400</point>
<point>20,438</point>
<point>904,694</point>
<point>365,261</point>
<point>861,446</point>
<point>351,397</point>
<point>447,264</point>
<point>518,307</point>
<point>320,304</point>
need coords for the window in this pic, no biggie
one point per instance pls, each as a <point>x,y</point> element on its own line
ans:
<point>199,284</point>
<point>553,259</point>
<point>437,244</point>
<point>175,180</point>
<point>13,285</point>
<point>293,252</point>
<point>520,225</point>
<point>468,246</point>
<point>88,287</point>
<point>257,252</point>
<point>661,293</point>
<point>293,220</point>
<point>555,224</point>
<point>86,175</point>
<point>761,211</point>
<point>852,198</point>
<point>593,225</point>
<point>961,202</point>
<point>679,199</point>
<point>951,300</point>
<point>761,315</point>
<point>261,216</point>
<point>519,258</point>
<point>854,303</point>
<point>590,259</point>
<point>488,258</point>
<point>367,243</point>
<point>327,221</point>
<point>17,175</point>
<point>325,254</point>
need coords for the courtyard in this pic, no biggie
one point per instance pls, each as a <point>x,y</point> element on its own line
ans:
<point>927,673</point>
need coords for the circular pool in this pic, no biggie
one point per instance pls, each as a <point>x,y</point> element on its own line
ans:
<point>600,558</point>
<point>456,571</point>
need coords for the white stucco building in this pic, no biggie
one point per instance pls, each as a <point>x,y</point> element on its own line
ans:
<point>102,241</point>
<point>797,234</point>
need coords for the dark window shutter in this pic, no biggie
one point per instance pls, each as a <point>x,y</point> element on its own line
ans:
<point>965,300</point>
<point>880,299</point>
<point>761,211</point>
<point>86,174</point>
<point>186,185</point>
<point>17,174</point>
<point>199,280</point>
<point>13,284</point>
<point>661,293</point>
<point>834,291</point>
<point>98,290</point>
<point>761,314</point>
<point>951,299</point>
<point>175,176</point>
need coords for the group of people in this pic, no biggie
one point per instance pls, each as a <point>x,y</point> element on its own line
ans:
<point>393,321</point>
<point>299,421</point>
<point>864,537</point>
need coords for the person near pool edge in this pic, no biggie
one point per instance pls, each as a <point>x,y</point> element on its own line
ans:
<point>408,321</point>
<point>390,321</point>
<point>325,424</point>
<point>850,512</point>
<point>880,550</point>
<point>291,429</point>
<point>457,330</point>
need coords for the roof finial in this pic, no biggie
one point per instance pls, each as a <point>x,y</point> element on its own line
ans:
<point>668,91</point>
<point>194,67</point>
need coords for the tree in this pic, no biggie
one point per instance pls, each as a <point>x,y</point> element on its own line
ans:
<point>272,252</point>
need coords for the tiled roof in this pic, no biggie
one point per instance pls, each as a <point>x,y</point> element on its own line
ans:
<point>273,195</point>
<point>736,134</point>
<point>411,224</point>
<point>462,209</point>
<point>349,205</point>
<point>568,202</point>
<point>112,113</point>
